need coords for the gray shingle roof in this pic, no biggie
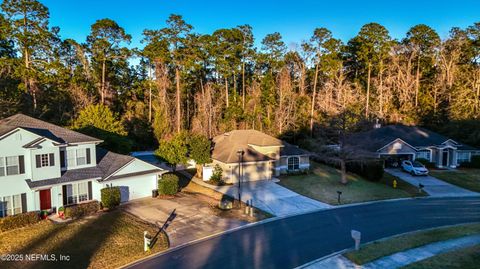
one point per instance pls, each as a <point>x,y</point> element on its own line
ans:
<point>225,146</point>
<point>107,164</point>
<point>45,129</point>
<point>375,139</point>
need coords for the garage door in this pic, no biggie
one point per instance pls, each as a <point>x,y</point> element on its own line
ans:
<point>252,172</point>
<point>395,160</point>
<point>136,187</point>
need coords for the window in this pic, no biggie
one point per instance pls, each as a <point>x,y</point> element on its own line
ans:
<point>12,165</point>
<point>81,156</point>
<point>43,160</point>
<point>463,157</point>
<point>77,192</point>
<point>293,163</point>
<point>2,166</point>
<point>70,158</point>
<point>10,205</point>
<point>423,154</point>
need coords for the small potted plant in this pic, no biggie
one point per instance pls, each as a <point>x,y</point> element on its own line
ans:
<point>61,212</point>
<point>44,214</point>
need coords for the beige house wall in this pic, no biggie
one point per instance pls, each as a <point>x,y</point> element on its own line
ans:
<point>250,171</point>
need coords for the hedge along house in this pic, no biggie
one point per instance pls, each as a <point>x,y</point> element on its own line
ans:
<point>263,157</point>
<point>44,167</point>
<point>395,143</point>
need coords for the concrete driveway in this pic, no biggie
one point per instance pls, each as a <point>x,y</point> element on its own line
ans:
<point>194,218</point>
<point>433,186</point>
<point>270,197</point>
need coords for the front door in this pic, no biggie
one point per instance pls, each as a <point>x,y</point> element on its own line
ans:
<point>45,200</point>
<point>445,158</point>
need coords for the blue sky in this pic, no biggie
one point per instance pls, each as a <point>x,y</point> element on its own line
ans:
<point>294,19</point>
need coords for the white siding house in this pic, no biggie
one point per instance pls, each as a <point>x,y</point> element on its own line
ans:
<point>44,167</point>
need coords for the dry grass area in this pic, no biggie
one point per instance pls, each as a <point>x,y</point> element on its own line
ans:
<point>106,240</point>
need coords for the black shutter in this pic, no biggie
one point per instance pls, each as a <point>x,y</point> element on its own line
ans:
<point>62,158</point>
<point>38,161</point>
<point>88,156</point>
<point>21,164</point>
<point>64,194</point>
<point>90,195</point>
<point>52,159</point>
<point>24,202</point>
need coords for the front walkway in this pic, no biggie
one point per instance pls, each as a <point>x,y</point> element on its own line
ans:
<point>269,197</point>
<point>399,259</point>
<point>433,186</point>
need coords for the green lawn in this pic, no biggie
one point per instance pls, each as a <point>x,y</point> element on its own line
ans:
<point>466,258</point>
<point>323,182</point>
<point>107,240</point>
<point>381,248</point>
<point>465,178</point>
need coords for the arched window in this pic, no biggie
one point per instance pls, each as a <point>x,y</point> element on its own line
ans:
<point>293,163</point>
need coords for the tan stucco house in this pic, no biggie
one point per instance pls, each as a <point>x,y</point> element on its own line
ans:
<point>263,156</point>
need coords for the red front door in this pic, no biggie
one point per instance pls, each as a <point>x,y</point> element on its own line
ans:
<point>45,200</point>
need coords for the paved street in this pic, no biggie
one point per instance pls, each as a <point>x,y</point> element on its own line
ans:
<point>433,186</point>
<point>293,241</point>
<point>270,197</point>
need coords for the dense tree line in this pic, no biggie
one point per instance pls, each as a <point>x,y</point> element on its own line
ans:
<point>211,83</point>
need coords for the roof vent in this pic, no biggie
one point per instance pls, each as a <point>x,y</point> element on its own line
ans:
<point>377,125</point>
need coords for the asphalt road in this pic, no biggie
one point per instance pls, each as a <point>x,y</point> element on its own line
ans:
<point>293,241</point>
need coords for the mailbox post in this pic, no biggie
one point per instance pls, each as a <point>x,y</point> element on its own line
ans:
<point>356,235</point>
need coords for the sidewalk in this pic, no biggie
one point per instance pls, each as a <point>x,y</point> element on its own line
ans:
<point>399,259</point>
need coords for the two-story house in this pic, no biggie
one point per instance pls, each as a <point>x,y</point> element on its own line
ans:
<point>44,167</point>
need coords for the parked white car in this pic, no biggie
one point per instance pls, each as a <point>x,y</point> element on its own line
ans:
<point>414,168</point>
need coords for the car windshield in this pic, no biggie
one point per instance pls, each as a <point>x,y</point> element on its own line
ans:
<point>417,164</point>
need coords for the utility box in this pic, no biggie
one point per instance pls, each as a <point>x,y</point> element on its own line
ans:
<point>207,173</point>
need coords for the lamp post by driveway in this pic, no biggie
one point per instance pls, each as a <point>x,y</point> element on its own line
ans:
<point>240,153</point>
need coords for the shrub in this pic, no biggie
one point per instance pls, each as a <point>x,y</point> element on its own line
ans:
<point>19,220</point>
<point>216,178</point>
<point>110,197</point>
<point>168,184</point>
<point>474,162</point>
<point>425,162</point>
<point>81,210</point>
<point>370,169</point>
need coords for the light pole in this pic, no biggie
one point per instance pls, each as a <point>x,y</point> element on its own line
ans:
<point>240,153</point>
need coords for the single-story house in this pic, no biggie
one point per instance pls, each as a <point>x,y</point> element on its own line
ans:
<point>263,157</point>
<point>44,167</point>
<point>398,142</point>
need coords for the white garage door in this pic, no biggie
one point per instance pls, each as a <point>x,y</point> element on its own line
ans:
<point>136,187</point>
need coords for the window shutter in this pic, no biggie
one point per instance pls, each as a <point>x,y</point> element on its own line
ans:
<point>38,161</point>
<point>52,159</point>
<point>62,158</point>
<point>21,164</point>
<point>88,156</point>
<point>90,195</point>
<point>24,202</point>
<point>64,194</point>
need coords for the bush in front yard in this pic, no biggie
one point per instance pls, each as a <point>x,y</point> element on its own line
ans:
<point>216,177</point>
<point>168,184</point>
<point>474,162</point>
<point>19,220</point>
<point>426,162</point>
<point>370,169</point>
<point>81,210</point>
<point>110,197</point>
